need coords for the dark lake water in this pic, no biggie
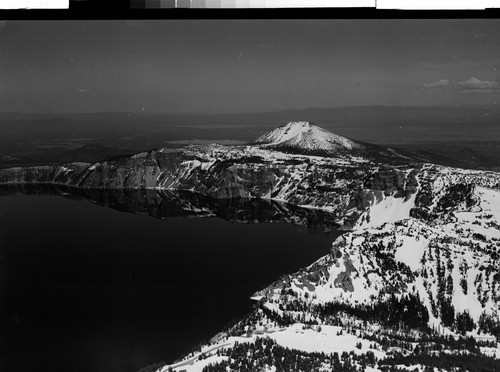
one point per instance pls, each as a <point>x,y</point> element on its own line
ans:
<point>89,288</point>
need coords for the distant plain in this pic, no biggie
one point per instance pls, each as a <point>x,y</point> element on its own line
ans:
<point>468,132</point>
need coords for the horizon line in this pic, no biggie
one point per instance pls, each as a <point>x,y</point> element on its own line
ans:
<point>141,112</point>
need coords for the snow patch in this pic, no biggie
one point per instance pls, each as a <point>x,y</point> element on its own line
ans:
<point>325,340</point>
<point>390,209</point>
<point>410,251</point>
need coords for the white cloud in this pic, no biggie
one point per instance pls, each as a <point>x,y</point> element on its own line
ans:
<point>474,85</point>
<point>471,85</point>
<point>438,84</point>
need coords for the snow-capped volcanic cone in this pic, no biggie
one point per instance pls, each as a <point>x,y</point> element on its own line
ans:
<point>306,137</point>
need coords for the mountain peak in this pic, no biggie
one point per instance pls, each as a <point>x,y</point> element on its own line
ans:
<point>306,137</point>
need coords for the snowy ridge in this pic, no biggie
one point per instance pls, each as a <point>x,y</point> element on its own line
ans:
<point>306,136</point>
<point>439,245</point>
<point>458,234</point>
<point>421,236</point>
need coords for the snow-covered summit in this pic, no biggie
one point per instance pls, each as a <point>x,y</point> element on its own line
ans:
<point>308,137</point>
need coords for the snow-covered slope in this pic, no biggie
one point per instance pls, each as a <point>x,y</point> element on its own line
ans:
<point>335,184</point>
<point>415,283</point>
<point>306,137</point>
<point>418,272</point>
<point>454,244</point>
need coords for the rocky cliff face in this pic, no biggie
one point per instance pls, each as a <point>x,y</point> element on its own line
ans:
<point>163,204</point>
<point>337,185</point>
<point>412,289</point>
<point>420,267</point>
<point>345,186</point>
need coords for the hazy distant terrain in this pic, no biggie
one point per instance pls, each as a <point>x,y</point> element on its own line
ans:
<point>55,138</point>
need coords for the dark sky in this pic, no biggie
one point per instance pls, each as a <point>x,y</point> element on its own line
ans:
<point>215,66</point>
